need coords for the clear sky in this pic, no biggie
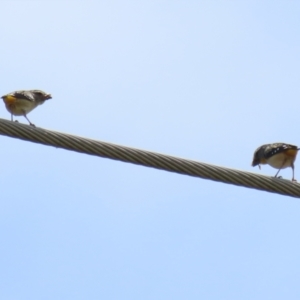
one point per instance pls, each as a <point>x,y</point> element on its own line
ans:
<point>204,80</point>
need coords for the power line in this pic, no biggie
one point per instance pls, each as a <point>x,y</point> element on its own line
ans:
<point>149,159</point>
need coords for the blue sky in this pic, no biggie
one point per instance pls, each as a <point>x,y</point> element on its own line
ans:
<point>204,80</point>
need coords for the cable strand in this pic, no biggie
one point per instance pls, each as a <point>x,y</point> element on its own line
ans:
<point>149,159</point>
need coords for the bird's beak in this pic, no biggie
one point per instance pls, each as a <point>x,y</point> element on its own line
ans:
<point>47,97</point>
<point>256,163</point>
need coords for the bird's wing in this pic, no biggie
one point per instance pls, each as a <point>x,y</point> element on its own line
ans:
<point>278,148</point>
<point>25,95</point>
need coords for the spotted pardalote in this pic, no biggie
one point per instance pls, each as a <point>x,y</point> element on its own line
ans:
<point>277,155</point>
<point>20,103</point>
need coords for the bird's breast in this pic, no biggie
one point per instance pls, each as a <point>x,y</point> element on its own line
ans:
<point>283,160</point>
<point>18,106</point>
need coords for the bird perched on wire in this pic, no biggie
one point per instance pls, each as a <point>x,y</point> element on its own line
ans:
<point>277,155</point>
<point>20,103</point>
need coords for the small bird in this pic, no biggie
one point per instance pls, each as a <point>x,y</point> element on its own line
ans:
<point>277,155</point>
<point>20,103</point>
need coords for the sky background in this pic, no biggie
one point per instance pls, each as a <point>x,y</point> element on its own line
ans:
<point>203,80</point>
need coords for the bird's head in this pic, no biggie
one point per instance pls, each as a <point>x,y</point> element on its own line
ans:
<point>258,156</point>
<point>41,95</point>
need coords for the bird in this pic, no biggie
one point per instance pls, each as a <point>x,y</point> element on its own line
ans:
<point>20,103</point>
<point>277,155</point>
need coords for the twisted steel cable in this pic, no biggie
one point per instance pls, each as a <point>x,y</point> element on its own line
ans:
<point>149,159</point>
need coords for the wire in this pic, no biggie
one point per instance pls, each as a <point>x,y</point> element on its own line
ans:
<point>149,159</point>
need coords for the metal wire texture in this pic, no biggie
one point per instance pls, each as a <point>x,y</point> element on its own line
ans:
<point>149,159</point>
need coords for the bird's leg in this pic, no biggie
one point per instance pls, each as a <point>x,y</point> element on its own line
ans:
<point>293,179</point>
<point>12,119</point>
<point>280,169</point>
<point>28,120</point>
<point>277,173</point>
